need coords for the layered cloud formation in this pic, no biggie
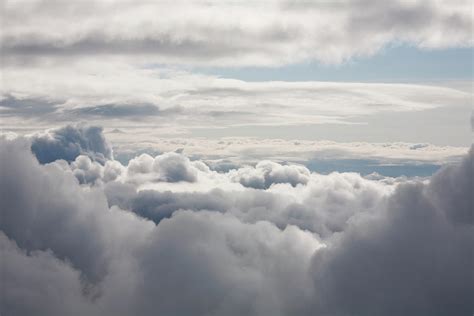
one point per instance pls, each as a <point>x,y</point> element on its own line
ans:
<point>228,32</point>
<point>167,235</point>
<point>160,66</point>
<point>164,102</point>
<point>107,91</point>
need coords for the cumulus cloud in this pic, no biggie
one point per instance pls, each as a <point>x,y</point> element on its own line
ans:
<point>50,285</point>
<point>267,173</point>
<point>174,167</point>
<point>168,167</point>
<point>228,33</point>
<point>103,243</point>
<point>92,172</point>
<point>227,153</point>
<point>414,256</point>
<point>69,142</point>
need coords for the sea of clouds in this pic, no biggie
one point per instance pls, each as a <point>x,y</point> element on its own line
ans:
<point>82,234</point>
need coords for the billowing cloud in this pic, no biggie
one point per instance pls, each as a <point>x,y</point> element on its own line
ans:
<point>169,167</point>
<point>267,173</point>
<point>69,142</point>
<point>227,33</point>
<point>413,256</point>
<point>227,153</point>
<point>331,245</point>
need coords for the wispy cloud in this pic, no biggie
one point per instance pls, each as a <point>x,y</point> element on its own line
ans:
<point>106,91</point>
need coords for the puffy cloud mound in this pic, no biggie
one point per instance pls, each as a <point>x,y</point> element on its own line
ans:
<point>414,256</point>
<point>69,142</point>
<point>83,238</point>
<point>168,167</point>
<point>174,167</point>
<point>267,173</point>
<point>89,171</point>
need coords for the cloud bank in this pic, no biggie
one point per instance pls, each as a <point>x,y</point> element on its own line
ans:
<point>148,238</point>
<point>227,33</point>
<point>180,102</point>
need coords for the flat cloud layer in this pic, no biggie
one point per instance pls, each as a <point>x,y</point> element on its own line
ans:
<point>179,102</point>
<point>167,235</point>
<point>143,64</point>
<point>228,32</point>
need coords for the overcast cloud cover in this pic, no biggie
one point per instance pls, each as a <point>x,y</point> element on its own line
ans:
<point>142,64</point>
<point>139,177</point>
<point>228,32</point>
<point>167,235</point>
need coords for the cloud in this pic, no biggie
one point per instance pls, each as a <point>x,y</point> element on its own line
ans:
<point>35,107</point>
<point>227,153</point>
<point>168,167</point>
<point>174,167</point>
<point>50,285</point>
<point>412,256</point>
<point>171,102</point>
<point>472,121</point>
<point>222,263</point>
<point>129,111</point>
<point>89,171</point>
<point>334,245</point>
<point>70,231</point>
<point>69,142</point>
<point>53,200</point>
<point>266,33</point>
<point>267,173</point>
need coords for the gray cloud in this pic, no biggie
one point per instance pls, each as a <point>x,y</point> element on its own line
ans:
<point>168,167</point>
<point>174,167</point>
<point>69,142</point>
<point>268,33</point>
<point>29,107</point>
<point>472,121</point>
<point>267,173</point>
<point>231,251</point>
<point>114,110</point>
<point>414,257</point>
<point>334,207</point>
<point>176,102</point>
<point>45,284</point>
<point>40,208</point>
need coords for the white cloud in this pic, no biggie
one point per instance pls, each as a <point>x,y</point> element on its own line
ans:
<point>267,173</point>
<point>125,63</point>
<point>231,152</point>
<point>227,33</point>
<point>114,94</point>
<point>325,246</point>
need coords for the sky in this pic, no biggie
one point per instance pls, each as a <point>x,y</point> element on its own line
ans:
<point>271,157</point>
<point>393,63</point>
